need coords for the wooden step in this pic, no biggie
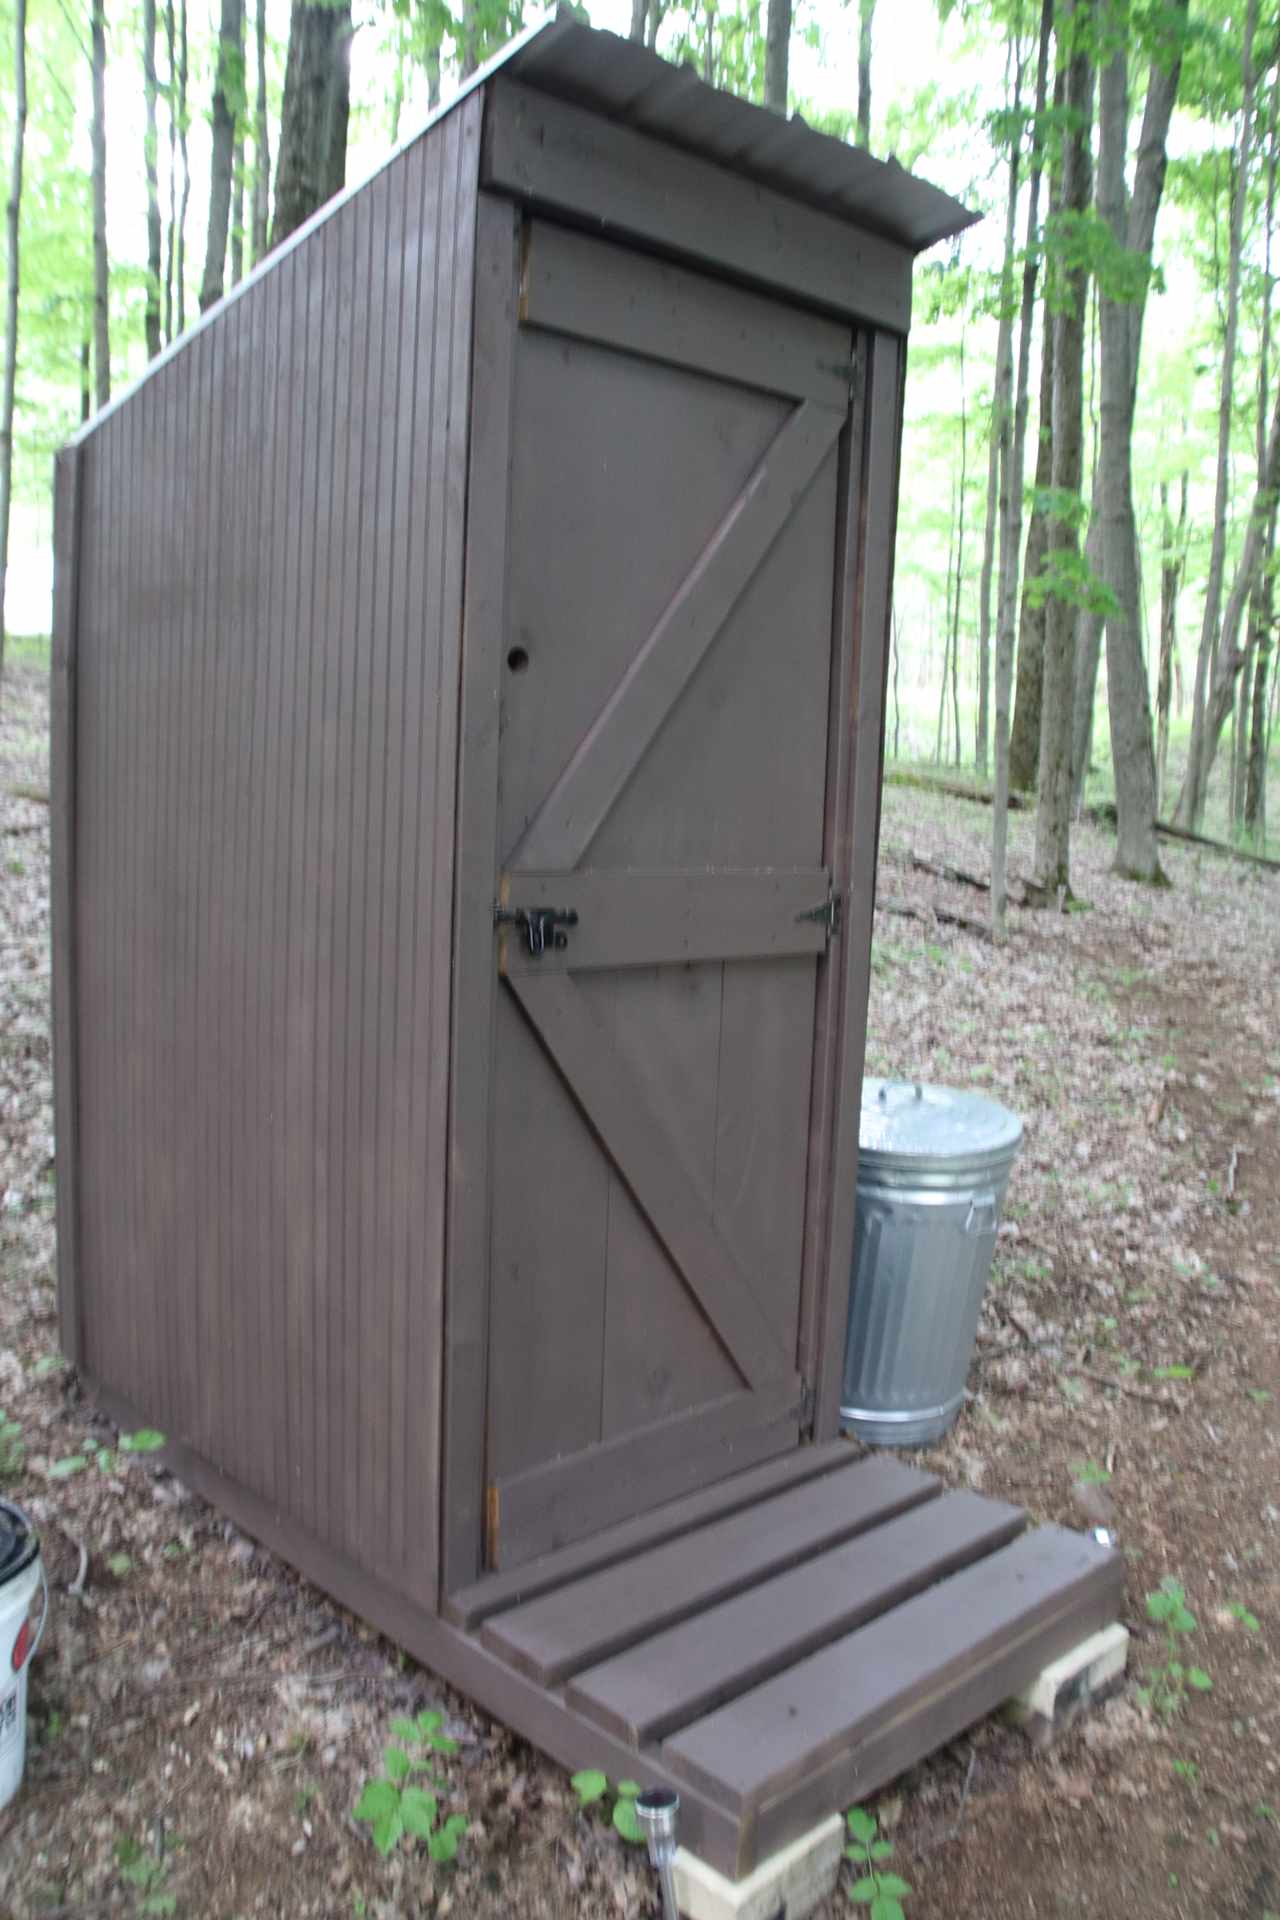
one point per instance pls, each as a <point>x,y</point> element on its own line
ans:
<point>681,1674</point>
<point>832,1728</point>
<point>577,1626</point>
<point>499,1591</point>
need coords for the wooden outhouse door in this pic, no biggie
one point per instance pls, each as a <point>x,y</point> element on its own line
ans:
<point>663,904</point>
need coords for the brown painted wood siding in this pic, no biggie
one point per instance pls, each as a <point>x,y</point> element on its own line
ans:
<point>269,610</point>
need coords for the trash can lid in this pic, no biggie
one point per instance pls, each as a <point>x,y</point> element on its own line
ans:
<point>19,1542</point>
<point>910,1125</point>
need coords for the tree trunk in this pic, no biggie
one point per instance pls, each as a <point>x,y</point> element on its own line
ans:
<point>1173,548</point>
<point>1229,661</point>
<point>13,219</point>
<point>261,143</point>
<point>777,50</point>
<point>469,49</point>
<point>101,275</point>
<point>1053,814</point>
<point>1132,754</point>
<point>1088,652</point>
<point>1255,797</point>
<point>959,582</point>
<point>1011,473</point>
<point>180,271</point>
<point>998,439</point>
<point>226,97</point>
<point>1195,786</point>
<point>313,123</point>
<point>86,379</point>
<point>639,8</point>
<point>170,38</point>
<point>1024,741</point>
<point>151,309</point>
<point>866,15</point>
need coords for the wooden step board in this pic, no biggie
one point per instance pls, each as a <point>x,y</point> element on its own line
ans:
<point>780,1649</point>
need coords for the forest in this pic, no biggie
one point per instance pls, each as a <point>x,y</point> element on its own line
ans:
<point>1093,416</point>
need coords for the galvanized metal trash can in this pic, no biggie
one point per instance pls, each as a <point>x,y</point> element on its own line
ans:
<point>933,1165</point>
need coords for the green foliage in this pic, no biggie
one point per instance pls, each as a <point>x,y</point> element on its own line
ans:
<point>881,1893</point>
<point>396,1806</point>
<point>1090,1473</point>
<point>13,1451</point>
<point>1249,1621</point>
<point>1166,1686</point>
<point>146,1874</point>
<point>592,1789</point>
<point>1065,575</point>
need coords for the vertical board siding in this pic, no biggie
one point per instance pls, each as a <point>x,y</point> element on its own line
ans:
<point>265,617</point>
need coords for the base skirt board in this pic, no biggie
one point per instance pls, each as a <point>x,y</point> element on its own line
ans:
<point>806,1780</point>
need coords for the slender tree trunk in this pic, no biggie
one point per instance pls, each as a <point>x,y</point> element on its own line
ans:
<point>998,439</point>
<point>655,21</point>
<point>1011,473</point>
<point>1255,776</point>
<point>1024,740</point>
<point>469,51</point>
<point>317,100</point>
<point>170,36</point>
<point>101,276</point>
<point>261,142</point>
<point>1053,814</point>
<point>13,220</point>
<point>226,95</point>
<point>433,77</point>
<point>1088,651</point>
<point>86,379</point>
<point>1255,798</point>
<point>1132,753</point>
<point>897,711</point>
<point>939,739</point>
<point>180,270</point>
<point>151,309</point>
<point>1173,548</point>
<point>777,52</point>
<point>1230,660</point>
<point>866,16</point>
<point>638,11</point>
<point>1195,786</point>
<point>955,616</point>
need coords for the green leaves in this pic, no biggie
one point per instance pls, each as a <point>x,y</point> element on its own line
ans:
<point>146,1440</point>
<point>1166,1686</point>
<point>592,1789</point>
<point>396,1807</point>
<point>626,1821</point>
<point>881,1893</point>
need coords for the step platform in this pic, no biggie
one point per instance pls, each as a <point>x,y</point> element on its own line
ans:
<point>781,1645</point>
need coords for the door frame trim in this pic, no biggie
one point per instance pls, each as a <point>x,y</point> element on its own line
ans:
<point>864,560</point>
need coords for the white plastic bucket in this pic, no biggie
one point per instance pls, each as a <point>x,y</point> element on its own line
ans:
<point>21,1579</point>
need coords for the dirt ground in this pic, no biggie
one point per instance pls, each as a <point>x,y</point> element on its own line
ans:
<point>203,1721</point>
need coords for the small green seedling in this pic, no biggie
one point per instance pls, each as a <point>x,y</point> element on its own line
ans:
<point>1187,1770</point>
<point>1090,1474</point>
<point>1249,1621</point>
<point>1166,1686</point>
<point>593,1790</point>
<point>146,1873</point>
<point>882,1893</point>
<point>395,1806</point>
<point>13,1451</point>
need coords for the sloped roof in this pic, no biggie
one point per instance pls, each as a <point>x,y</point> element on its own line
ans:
<point>639,89</point>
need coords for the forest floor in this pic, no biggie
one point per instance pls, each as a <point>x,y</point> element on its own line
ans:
<point>202,1721</point>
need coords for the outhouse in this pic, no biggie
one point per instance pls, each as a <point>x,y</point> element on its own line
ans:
<point>469,680</point>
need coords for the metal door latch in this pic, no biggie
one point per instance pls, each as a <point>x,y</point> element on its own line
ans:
<point>541,926</point>
<point>828,914</point>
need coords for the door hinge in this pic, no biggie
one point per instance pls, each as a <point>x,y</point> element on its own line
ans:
<point>828,914</point>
